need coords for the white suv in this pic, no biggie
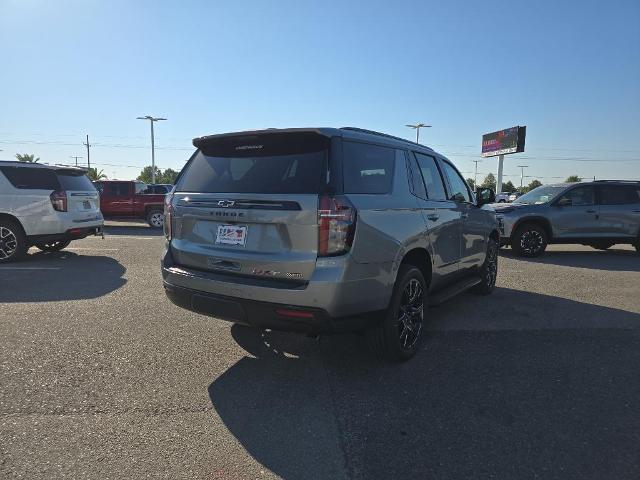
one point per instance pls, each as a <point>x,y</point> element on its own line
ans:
<point>46,207</point>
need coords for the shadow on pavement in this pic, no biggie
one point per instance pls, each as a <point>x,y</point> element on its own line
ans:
<point>521,403</point>
<point>59,276</point>
<point>615,260</point>
<point>132,229</point>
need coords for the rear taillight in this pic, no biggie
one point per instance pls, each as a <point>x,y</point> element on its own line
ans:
<point>336,225</point>
<point>59,200</point>
<point>168,216</point>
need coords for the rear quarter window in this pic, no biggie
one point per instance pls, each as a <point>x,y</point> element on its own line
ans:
<point>31,178</point>
<point>619,194</point>
<point>367,168</point>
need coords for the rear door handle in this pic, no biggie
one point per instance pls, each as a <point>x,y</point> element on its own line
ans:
<point>464,215</point>
<point>591,211</point>
<point>433,217</point>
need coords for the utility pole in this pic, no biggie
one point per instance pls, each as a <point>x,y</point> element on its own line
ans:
<point>152,120</point>
<point>417,128</point>
<point>475,175</point>
<point>88,145</point>
<point>522,167</point>
<point>73,156</point>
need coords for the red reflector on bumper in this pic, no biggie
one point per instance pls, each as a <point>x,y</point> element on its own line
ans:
<point>293,313</point>
<point>75,231</point>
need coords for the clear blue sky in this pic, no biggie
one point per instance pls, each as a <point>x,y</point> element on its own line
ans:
<point>568,70</point>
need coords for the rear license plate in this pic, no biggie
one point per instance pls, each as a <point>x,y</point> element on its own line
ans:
<point>231,235</point>
<point>86,205</point>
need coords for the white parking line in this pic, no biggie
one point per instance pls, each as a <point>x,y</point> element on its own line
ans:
<point>130,237</point>
<point>91,248</point>
<point>29,268</point>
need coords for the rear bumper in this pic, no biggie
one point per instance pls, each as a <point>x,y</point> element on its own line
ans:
<point>71,234</point>
<point>266,315</point>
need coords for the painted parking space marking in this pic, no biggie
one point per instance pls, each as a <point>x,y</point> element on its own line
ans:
<point>29,268</point>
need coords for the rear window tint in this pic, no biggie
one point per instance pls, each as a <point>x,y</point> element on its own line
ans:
<point>74,181</point>
<point>367,168</point>
<point>294,173</point>
<point>31,178</point>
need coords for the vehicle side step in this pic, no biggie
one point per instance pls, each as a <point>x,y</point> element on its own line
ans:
<point>453,290</point>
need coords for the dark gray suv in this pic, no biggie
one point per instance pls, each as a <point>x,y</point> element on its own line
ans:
<point>325,230</point>
<point>599,214</point>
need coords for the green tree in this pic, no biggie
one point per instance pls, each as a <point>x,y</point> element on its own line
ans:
<point>147,177</point>
<point>489,182</point>
<point>573,179</point>
<point>471,183</point>
<point>95,174</point>
<point>169,176</point>
<point>508,187</point>
<point>27,157</point>
<point>534,184</point>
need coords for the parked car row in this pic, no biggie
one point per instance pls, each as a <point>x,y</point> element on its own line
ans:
<point>317,230</point>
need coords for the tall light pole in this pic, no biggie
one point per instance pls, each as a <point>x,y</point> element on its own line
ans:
<point>153,147</point>
<point>522,167</point>
<point>417,128</point>
<point>73,156</point>
<point>88,145</point>
<point>475,176</point>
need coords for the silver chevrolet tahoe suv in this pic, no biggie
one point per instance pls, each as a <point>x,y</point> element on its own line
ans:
<point>599,214</point>
<point>325,230</point>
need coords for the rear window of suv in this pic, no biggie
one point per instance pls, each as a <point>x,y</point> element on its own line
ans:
<point>74,181</point>
<point>279,163</point>
<point>31,178</point>
<point>295,173</point>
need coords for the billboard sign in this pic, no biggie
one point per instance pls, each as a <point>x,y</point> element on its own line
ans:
<point>502,142</point>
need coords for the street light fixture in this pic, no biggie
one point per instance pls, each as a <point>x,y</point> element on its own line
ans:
<point>417,128</point>
<point>152,120</point>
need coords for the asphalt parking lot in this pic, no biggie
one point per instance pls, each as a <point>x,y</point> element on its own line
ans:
<point>102,377</point>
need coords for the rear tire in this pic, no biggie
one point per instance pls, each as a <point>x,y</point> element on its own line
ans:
<point>53,246</point>
<point>398,335</point>
<point>13,242</point>
<point>155,218</point>
<point>530,240</point>
<point>489,270</point>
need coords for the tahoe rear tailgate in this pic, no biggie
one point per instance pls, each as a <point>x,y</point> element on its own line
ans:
<point>248,205</point>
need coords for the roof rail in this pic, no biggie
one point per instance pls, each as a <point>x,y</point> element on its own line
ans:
<point>373,132</point>
<point>617,181</point>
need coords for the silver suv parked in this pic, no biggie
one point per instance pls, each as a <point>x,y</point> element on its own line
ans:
<point>599,214</point>
<point>325,230</point>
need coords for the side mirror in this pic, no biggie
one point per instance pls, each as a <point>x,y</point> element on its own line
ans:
<point>485,196</point>
<point>564,202</point>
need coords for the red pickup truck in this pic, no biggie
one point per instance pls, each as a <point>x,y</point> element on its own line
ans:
<point>130,199</point>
